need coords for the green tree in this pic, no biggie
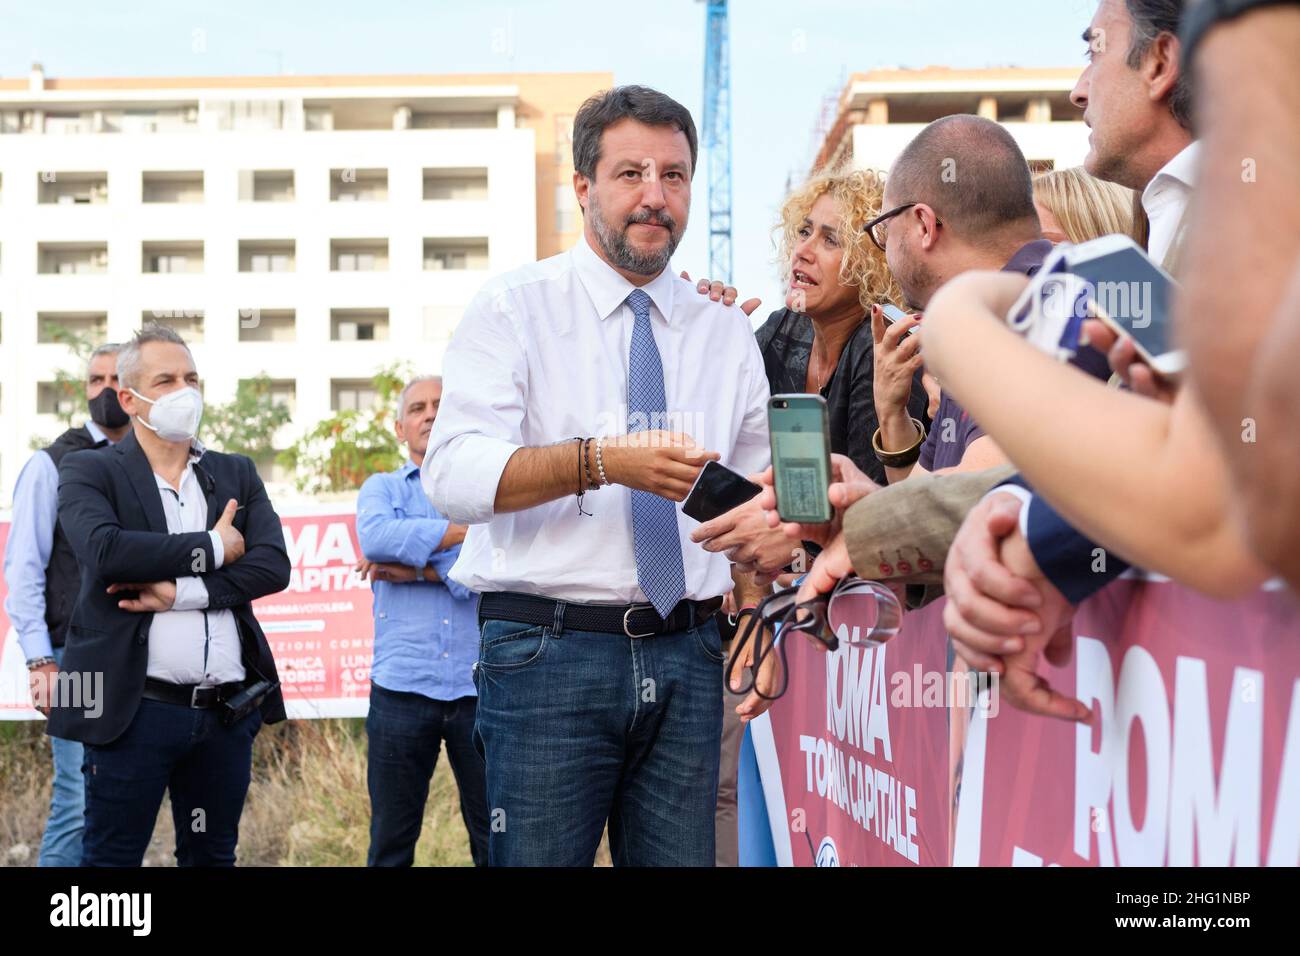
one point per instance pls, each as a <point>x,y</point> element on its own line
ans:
<point>69,387</point>
<point>342,451</point>
<point>247,424</point>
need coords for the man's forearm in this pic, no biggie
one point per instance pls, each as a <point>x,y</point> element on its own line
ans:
<point>1246,219</point>
<point>534,476</point>
<point>904,531</point>
<point>537,475</point>
<point>454,535</point>
<point>747,592</point>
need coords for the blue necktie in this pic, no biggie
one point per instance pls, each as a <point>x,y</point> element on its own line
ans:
<point>655,542</point>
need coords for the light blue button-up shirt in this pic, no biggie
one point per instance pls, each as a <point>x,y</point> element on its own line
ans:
<point>31,541</point>
<point>426,632</point>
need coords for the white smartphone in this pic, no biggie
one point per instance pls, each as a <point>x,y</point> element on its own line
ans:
<point>894,314</point>
<point>1133,296</point>
<point>1111,279</point>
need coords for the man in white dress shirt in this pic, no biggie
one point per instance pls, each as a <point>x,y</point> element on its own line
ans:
<point>599,371</point>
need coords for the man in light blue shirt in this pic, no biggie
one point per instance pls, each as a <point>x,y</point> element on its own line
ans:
<point>43,578</point>
<point>426,643</point>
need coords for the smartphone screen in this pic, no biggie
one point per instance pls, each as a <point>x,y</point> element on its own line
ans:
<point>1131,291</point>
<point>717,490</point>
<point>799,429</point>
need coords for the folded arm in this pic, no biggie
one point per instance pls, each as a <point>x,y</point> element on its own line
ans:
<point>388,537</point>
<point>111,552</point>
<point>264,569</point>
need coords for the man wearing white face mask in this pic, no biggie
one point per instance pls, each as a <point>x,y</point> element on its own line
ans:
<point>167,676</point>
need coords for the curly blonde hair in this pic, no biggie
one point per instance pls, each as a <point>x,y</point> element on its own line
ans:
<point>857,194</point>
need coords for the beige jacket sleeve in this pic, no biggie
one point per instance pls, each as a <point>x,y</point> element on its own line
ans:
<point>903,532</point>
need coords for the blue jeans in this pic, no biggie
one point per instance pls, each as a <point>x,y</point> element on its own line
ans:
<point>204,766</point>
<point>405,732</point>
<point>579,728</point>
<point>61,842</point>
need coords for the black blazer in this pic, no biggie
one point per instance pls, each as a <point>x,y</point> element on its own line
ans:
<point>111,512</point>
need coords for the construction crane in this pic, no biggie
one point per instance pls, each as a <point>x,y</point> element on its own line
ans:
<point>717,137</point>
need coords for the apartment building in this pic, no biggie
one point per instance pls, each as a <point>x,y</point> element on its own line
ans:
<point>310,228</point>
<point>880,111</point>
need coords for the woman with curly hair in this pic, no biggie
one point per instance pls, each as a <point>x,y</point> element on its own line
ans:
<point>821,341</point>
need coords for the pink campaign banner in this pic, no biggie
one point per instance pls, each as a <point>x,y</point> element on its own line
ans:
<point>884,757</point>
<point>320,628</point>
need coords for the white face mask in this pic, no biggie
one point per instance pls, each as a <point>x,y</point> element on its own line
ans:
<point>175,416</point>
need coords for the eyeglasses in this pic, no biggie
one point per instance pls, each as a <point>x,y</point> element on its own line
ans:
<point>861,613</point>
<point>878,228</point>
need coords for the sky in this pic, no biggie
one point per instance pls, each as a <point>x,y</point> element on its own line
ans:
<point>786,59</point>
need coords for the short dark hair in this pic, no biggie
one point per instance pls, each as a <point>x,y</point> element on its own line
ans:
<point>972,172</point>
<point>1150,19</point>
<point>625,102</point>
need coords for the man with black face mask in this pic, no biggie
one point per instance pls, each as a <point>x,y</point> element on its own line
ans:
<point>41,569</point>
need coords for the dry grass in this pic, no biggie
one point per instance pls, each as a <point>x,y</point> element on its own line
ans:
<point>307,806</point>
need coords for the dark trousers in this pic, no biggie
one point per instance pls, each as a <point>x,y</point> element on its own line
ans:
<point>406,732</point>
<point>185,752</point>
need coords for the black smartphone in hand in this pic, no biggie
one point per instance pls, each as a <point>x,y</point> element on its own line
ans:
<point>717,490</point>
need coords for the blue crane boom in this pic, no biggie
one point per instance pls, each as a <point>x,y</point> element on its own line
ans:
<point>717,137</point>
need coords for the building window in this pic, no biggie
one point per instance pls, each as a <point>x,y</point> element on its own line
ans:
<point>454,120</point>
<point>352,394</point>
<point>566,209</point>
<point>167,120</point>
<point>88,325</point>
<point>358,255</point>
<point>284,393</point>
<point>266,185</point>
<point>564,140</point>
<point>52,399</point>
<point>266,255</point>
<point>358,185</point>
<point>172,187</point>
<point>187,323</point>
<point>172,256</point>
<point>440,184</point>
<point>267,325</point>
<point>72,189</point>
<point>359,325</point>
<point>71,258</point>
<point>444,254</point>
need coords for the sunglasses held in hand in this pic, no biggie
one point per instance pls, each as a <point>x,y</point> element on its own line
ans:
<point>859,613</point>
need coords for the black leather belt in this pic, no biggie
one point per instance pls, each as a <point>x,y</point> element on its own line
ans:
<point>634,620</point>
<point>190,695</point>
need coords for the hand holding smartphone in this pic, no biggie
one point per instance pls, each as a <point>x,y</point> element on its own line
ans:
<point>717,490</point>
<point>894,314</point>
<point>799,430</point>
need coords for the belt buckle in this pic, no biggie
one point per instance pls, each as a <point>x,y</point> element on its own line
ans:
<point>628,612</point>
<point>194,697</point>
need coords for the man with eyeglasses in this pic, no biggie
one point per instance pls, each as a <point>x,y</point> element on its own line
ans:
<point>959,198</point>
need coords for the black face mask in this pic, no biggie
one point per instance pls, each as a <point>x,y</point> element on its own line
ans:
<point>106,411</point>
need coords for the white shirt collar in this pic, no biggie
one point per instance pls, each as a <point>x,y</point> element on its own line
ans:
<point>97,433</point>
<point>196,452</point>
<point>1182,170</point>
<point>609,290</point>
